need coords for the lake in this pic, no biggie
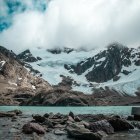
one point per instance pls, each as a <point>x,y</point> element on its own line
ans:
<point>118,110</point>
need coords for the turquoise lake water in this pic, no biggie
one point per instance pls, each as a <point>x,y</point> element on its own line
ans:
<point>120,110</point>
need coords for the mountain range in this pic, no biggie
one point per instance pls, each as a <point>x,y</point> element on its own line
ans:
<point>116,67</point>
<point>108,76</point>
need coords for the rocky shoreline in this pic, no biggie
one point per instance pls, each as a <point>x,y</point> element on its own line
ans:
<point>15,125</point>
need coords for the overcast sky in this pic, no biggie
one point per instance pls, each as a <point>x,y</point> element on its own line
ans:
<point>73,23</point>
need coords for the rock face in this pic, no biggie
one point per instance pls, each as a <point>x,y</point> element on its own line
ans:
<point>12,113</point>
<point>120,124</point>
<point>102,125</point>
<point>59,97</point>
<point>63,97</point>
<point>27,56</point>
<point>107,64</point>
<point>39,118</point>
<point>7,114</point>
<point>16,79</point>
<point>80,132</point>
<point>29,128</point>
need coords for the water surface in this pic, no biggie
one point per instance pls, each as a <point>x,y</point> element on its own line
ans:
<point>119,110</point>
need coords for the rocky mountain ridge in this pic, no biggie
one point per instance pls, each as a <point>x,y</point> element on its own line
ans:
<point>108,63</point>
<point>115,66</point>
<point>21,81</point>
<point>15,79</point>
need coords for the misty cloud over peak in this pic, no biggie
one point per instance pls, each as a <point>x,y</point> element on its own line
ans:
<point>71,23</point>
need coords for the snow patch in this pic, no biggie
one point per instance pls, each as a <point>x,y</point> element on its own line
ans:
<point>2,64</point>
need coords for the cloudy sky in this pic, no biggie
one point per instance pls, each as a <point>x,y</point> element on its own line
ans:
<point>70,23</point>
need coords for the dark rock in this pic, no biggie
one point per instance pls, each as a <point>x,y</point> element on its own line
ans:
<point>93,118</point>
<point>137,117</point>
<point>120,124</point>
<point>48,123</point>
<point>137,63</point>
<point>23,95</point>
<point>71,114</point>
<point>80,132</point>
<point>57,116</point>
<point>39,58</point>
<point>102,125</point>
<point>105,69</point>
<point>136,113</point>
<point>107,64</point>
<point>17,112</point>
<point>77,119</point>
<point>51,115</point>
<point>46,115</point>
<point>29,128</point>
<point>66,82</point>
<point>39,118</point>
<point>58,97</point>
<point>130,118</point>
<point>69,101</point>
<point>115,116</point>
<point>27,56</point>
<point>7,114</point>
<point>126,72</point>
<point>116,78</point>
<point>7,53</point>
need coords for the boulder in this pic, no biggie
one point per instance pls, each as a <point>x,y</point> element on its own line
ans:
<point>71,114</point>
<point>86,124</point>
<point>130,118</point>
<point>77,119</point>
<point>48,123</point>
<point>46,115</point>
<point>29,128</point>
<point>70,119</point>
<point>7,114</point>
<point>136,113</point>
<point>102,125</point>
<point>120,124</point>
<point>39,118</point>
<point>51,115</point>
<point>80,132</point>
<point>93,118</point>
<point>16,111</point>
<point>137,117</point>
<point>58,116</point>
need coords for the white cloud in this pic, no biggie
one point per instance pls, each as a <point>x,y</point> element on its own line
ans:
<point>75,23</point>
